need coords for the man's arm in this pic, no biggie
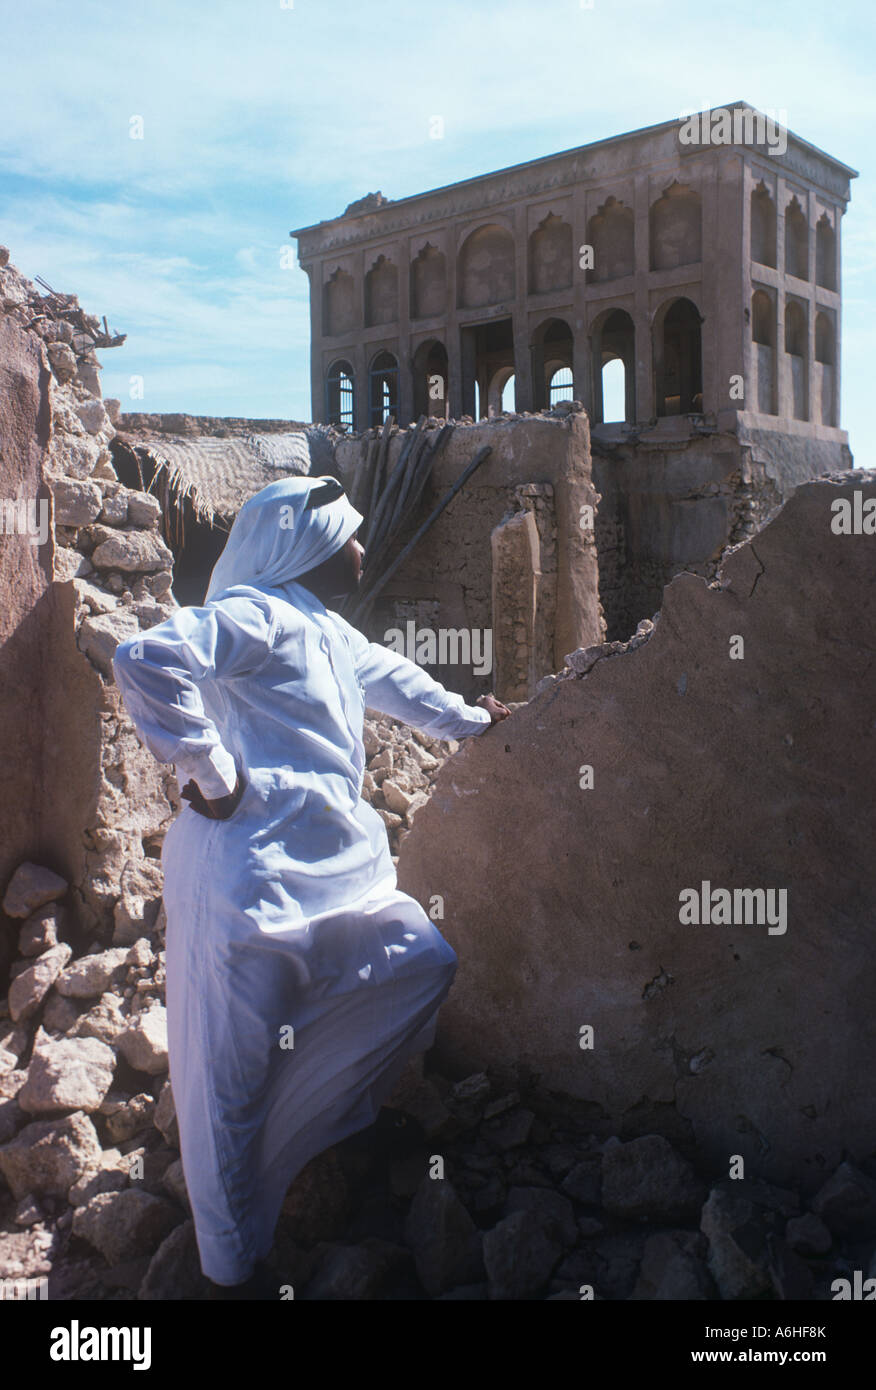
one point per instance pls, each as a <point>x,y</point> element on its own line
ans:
<point>158,673</point>
<point>398,687</point>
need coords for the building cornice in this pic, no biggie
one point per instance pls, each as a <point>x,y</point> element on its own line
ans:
<point>549,174</point>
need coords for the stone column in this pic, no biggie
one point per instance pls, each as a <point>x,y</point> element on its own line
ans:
<point>515,551</point>
<point>813,389</point>
<point>579,621</point>
<point>317,371</point>
<point>452,335</point>
<point>405,364</point>
<point>646,407</point>
<point>712,252</point>
<point>837,320</point>
<point>784,392</point>
<point>523,393</point>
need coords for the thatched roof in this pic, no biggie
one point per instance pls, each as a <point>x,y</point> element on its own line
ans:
<point>219,474</point>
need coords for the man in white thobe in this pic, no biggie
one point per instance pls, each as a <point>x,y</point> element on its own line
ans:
<point>300,979</point>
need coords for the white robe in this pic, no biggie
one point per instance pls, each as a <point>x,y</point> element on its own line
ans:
<point>287,914</point>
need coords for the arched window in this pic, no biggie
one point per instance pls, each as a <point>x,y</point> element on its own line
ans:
<point>383,388</point>
<point>340,406</point>
<point>500,392</point>
<point>824,343</point>
<point>795,347</point>
<point>763,227</point>
<point>762,319</point>
<point>796,241</point>
<point>795,329</point>
<point>825,369</point>
<point>763,334</point>
<point>678,359</point>
<point>551,349</point>
<point>614,390</point>
<point>561,386</point>
<point>613,342</point>
<point>825,254</point>
<point>430,379</point>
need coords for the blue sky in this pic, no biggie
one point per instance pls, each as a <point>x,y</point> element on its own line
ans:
<point>264,115</point>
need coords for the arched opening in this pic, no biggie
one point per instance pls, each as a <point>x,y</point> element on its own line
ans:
<point>610,232</point>
<point>340,396</point>
<point>485,350</point>
<point>763,335</point>
<point>486,268</point>
<point>381,293</point>
<point>795,348</point>
<point>763,227</point>
<point>676,228</point>
<point>613,339</point>
<point>550,255</point>
<point>430,379</point>
<point>551,348</point>
<point>383,388</point>
<point>339,304</point>
<point>428,283</point>
<point>825,254</point>
<point>796,241</point>
<point>560,385</point>
<point>614,382</point>
<point>678,359</point>
<point>825,369</point>
<point>500,395</point>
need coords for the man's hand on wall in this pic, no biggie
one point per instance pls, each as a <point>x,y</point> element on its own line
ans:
<point>220,808</point>
<point>494,707</point>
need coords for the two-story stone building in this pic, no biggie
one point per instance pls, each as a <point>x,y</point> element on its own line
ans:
<point>709,267</point>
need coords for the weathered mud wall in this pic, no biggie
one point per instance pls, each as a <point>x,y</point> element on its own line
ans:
<point>98,572</point>
<point>674,497</point>
<point>539,464</point>
<point>754,771</point>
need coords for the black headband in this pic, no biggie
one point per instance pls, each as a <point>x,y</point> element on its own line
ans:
<point>326,492</point>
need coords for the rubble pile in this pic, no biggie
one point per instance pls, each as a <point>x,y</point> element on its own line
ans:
<point>402,764</point>
<point>462,1191</point>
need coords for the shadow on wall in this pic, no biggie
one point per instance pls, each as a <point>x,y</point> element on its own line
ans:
<point>733,751</point>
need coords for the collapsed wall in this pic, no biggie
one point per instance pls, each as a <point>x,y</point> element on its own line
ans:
<point>513,553</point>
<point>675,495</point>
<point>81,795</point>
<point>733,748</point>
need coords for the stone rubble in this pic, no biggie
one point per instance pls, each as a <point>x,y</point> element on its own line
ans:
<point>108,547</point>
<point>531,1205</point>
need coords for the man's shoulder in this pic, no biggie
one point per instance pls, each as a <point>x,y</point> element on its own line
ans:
<point>242,597</point>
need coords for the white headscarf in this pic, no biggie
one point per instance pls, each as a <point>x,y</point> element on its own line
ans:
<point>275,539</point>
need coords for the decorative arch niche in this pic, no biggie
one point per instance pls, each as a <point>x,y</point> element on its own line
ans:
<point>339,304</point>
<point>611,233</point>
<point>825,253</point>
<point>796,241</point>
<point>550,255</point>
<point>381,293</point>
<point>676,228</point>
<point>428,283</point>
<point>485,267</point>
<point>763,227</point>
